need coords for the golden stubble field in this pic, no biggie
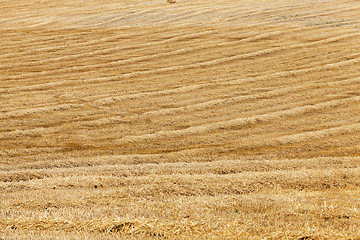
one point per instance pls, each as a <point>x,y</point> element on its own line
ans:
<point>201,119</point>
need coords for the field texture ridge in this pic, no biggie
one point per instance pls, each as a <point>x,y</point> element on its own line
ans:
<point>198,119</point>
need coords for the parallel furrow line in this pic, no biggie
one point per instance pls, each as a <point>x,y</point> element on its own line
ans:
<point>305,136</point>
<point>135,59</point>
<point>45,41</point>
<point>224,60</point>
<point>220,102</point>
<point>238,122</point>
<point>113,49</point>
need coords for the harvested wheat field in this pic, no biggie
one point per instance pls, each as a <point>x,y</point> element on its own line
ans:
<point>200,119</point>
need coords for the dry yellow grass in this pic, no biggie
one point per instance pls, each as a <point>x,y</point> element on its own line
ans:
<point>196,120</point>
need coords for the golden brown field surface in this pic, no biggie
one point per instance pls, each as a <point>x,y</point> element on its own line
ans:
<point>217,119</point>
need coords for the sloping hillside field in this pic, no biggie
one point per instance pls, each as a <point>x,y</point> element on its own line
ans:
<point>220,119</point>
